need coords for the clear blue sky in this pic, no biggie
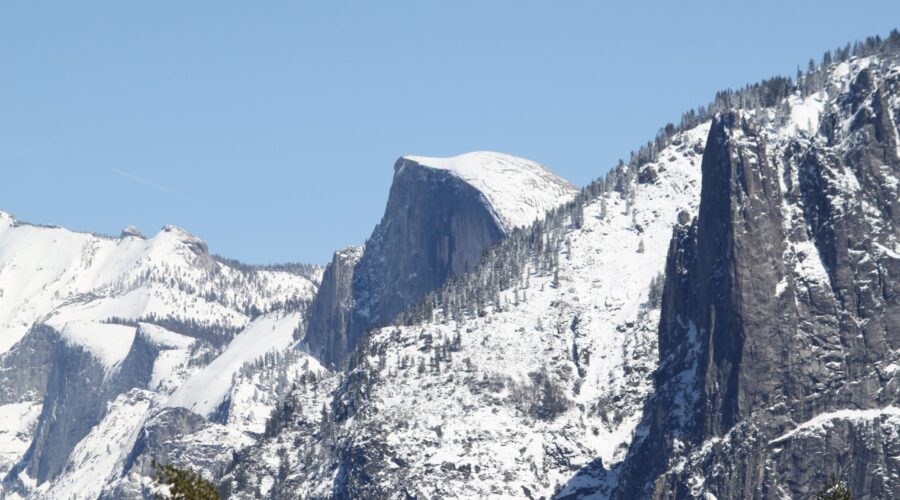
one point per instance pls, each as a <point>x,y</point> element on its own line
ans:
<point>270,129</point>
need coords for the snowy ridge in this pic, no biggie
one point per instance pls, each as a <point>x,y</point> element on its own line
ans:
<point>44,268</point>
<point>519,190</point>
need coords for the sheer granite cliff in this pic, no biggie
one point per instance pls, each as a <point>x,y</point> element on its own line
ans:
<point>780,322</point>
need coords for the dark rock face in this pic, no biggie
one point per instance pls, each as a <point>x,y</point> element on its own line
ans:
<point>76,391</point>
<point>779,332</point>
<point>158,437</point>
<point>70,410</point>
<point>25,368</point>
<point>163,438</point>
<point>136,369</point>
<point>435,226</point>
<point>330,311</point>
<point>175,436</point>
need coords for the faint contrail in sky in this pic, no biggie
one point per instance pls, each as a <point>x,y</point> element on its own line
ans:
<point>149,183</point>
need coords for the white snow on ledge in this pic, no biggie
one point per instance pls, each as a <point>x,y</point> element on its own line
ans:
<point>519,190</point>
<point>107,342</point>
<point>824,420</point>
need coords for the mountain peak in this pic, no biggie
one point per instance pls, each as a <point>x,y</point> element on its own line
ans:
<point>182,236</point>
<point>176,230</point>
<point>178,233</point>
<point>131,231</point>
<point>519,190</point>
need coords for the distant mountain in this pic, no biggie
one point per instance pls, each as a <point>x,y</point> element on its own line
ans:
<point>102,336</point>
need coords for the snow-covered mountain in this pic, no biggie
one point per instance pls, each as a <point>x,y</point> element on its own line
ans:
<point>717,318</point>
<point>780,330</point>
<point>86,320</point>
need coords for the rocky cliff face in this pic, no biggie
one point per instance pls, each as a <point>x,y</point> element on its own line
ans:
<point>24,370</point>
<point>78,388</point>
<point>330,311</point>
<point>779,332</point>
<point>441,216</point>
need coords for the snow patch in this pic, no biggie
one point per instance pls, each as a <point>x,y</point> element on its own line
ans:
<point>16,423</point>
<point>108,343</point>
<point>825,421</point>
<point>781,286</point>
<point>805,114</point>
<point>519,190</point>
<point>165,338</point>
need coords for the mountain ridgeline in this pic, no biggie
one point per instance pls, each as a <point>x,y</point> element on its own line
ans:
<point>717,318</point>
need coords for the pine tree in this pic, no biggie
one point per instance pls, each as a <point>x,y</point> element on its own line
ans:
<point>183,484</point>
<point>578,214</point>
<point>834,490</point>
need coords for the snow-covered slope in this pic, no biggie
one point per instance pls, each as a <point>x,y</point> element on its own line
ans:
<point>173,361</point>
<point>17,422</point>
<point>207,388</point>
<point>519,190</point>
